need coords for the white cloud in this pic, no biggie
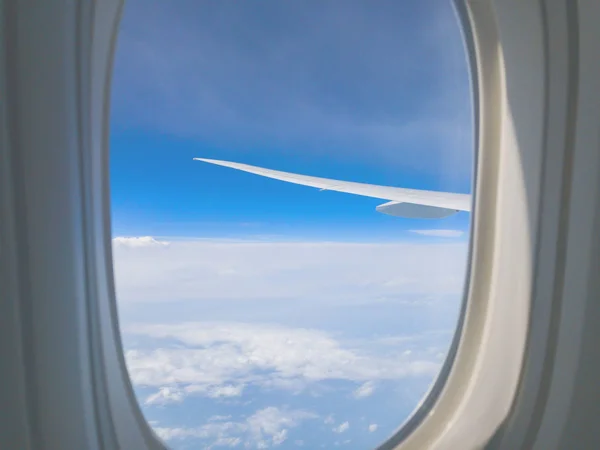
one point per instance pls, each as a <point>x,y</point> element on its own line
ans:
<point>372,427</point>
<point>138,242</point>
<point>165,395</point>
<point>175,394</point>
<point>329,420</point>
<point>342,428</point>
<point>265,428</point>
<point>222,391</point>
<point>439,233</point>
<point>223,359</point>
<point>364,390</point>
<point>146,270</point>
<point>226,391</point>
<point>219,359</point>
<point>218,418</point>
<point>217,434</point>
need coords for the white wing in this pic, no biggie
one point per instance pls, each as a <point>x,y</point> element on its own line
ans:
<point>403,202</point>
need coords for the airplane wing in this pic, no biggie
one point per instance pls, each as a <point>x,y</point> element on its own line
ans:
<point>402,202</point>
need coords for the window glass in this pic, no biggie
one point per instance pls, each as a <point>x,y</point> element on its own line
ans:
<point>258,313</point>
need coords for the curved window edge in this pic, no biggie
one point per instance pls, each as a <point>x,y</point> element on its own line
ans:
<point>482,373</point>
<point>431,397</point>
<point>523,374</point>
<point>123,416</point>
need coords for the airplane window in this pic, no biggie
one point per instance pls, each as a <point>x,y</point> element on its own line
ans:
<point>298,285</point>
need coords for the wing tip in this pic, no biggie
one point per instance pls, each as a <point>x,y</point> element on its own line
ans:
<point>211,161</point>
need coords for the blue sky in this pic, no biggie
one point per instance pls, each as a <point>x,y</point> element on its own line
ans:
<point>342,314</point>
<point>373,93</point>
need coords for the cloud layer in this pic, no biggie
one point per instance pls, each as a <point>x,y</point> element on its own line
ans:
<point>218,360</point>
<point>138,242</point>
<point>148,270</point>
<point>371,331</point>
<point>439,233</point>
<point>265,428</point>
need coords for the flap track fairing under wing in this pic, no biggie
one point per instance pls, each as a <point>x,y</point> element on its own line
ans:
<point>414,210</point>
